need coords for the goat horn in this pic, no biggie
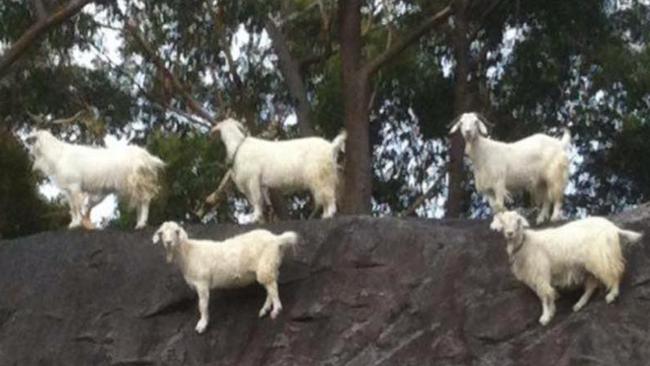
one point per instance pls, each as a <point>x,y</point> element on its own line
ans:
<point>62,121</point>
<point>39,120</point>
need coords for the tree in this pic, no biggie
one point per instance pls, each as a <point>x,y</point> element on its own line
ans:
<point>356,93</point>
<point>44,22</point>
<point>377,68</point>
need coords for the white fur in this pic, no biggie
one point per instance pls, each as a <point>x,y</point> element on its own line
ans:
<point>93,172</point>
<point>289,166</point>
<point>583,252</point>
<point>538,164</point>
<point>239,261</point>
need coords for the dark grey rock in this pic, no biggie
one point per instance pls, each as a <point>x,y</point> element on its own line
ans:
<point>358,291</point>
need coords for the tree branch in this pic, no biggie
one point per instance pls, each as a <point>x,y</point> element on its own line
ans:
<point>291,72</point>
<point>41,13</point>
<point>420,200</point>
<point>36,30</point>
<point>217,19</point>
<point>481,21</point>
<point>401,43</point>
<point>178,86</point>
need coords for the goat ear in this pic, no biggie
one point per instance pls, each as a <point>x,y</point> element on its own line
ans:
<point>454,125</point>
<point>523,222</point>
<point>181,235</point>
<point>497,224</point>
<point>156,237</point>
<point>214,131</point>
<point>482,128</point>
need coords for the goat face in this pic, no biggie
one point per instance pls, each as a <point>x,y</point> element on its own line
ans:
<point>171,234</point>
<point>470,126</point>
<point>510,223</point>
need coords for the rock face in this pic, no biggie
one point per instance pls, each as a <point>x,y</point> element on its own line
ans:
<point>358,291</point>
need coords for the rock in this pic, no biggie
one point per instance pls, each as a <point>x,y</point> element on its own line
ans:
<point>358,291</point>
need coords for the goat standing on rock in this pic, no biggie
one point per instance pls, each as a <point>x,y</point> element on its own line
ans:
<point>236,262</point>
<point>583,252</point>
<point>93,172</point>
<point>289,166</point>
<point>538,164</point>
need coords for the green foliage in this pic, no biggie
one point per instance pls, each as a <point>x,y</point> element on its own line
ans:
<point>23,210</point>
<point>578,63</point>
<point>192,172</point>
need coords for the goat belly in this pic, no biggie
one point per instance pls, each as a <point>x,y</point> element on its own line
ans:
<point>568,277</point>
<point>233,280</point>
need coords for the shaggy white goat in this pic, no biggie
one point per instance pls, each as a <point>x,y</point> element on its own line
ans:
<point>583,252</point>
<point>93,172</point>
<point>537,164</point>
<point>236,262</point>
<point>289,166</point>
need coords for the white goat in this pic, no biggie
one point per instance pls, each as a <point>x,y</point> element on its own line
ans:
<point>583,252</point>
<point>236,262</point>
<point>289,166</point>
<point>93,172</point>
<point>538,164</point>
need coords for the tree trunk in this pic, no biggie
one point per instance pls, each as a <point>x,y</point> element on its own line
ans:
<point>457,198</point>
<point>357,191</point>
<point>292,76</point>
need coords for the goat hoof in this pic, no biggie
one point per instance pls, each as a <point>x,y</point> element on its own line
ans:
<point>263,313</point>
<point>544,320</point>
<point>140,226</point>
<point>200,326</point>
<point>610,298</point>
<point>275,312</point>
<point>576,308</point>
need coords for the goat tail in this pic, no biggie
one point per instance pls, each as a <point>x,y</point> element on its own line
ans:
<point>557,177</point>
<point>629,236</point>
<point>143,182</point>
<point>288,239</point>
<point>566,138</point>
<point>338,144</point>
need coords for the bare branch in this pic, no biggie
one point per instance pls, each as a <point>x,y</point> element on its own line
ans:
<point>409,211</point>
<point>36,30</point>
<point>178,86</point>
<point>217,19</point>
<point>214,198</point>
<point>399,45</point>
